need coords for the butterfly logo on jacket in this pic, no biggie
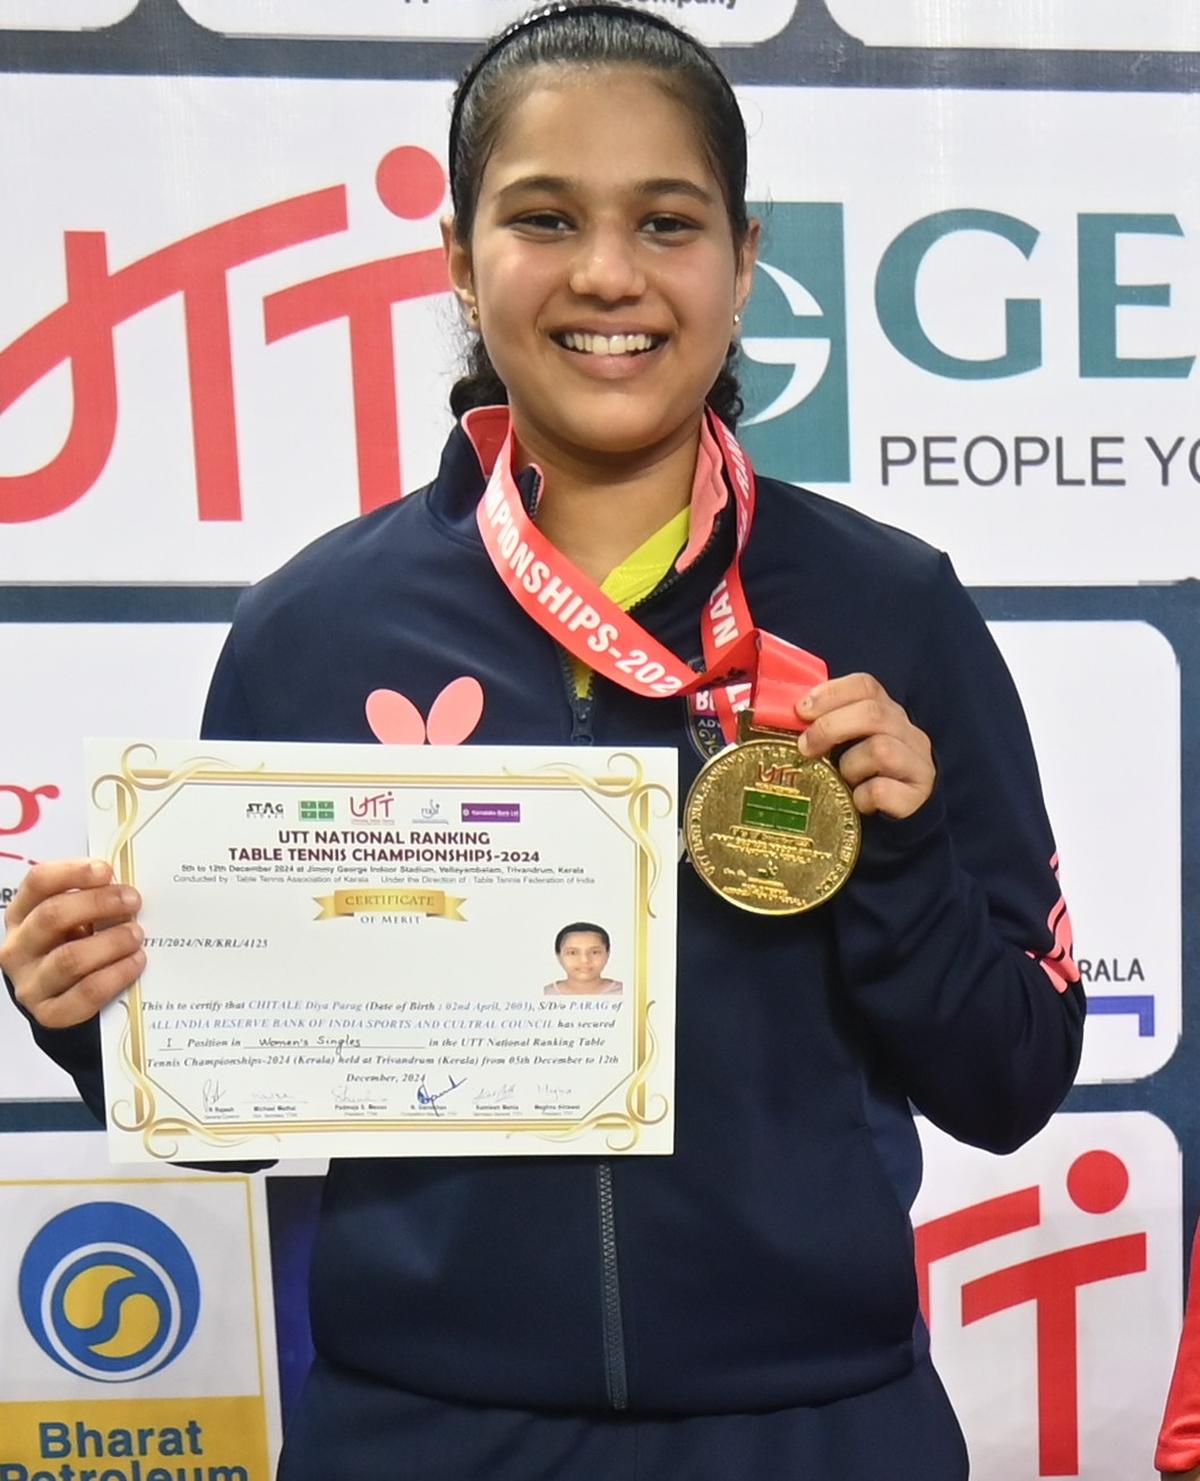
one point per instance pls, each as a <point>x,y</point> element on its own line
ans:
<point>453,716</point>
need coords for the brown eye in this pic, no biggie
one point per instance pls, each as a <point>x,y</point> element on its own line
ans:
<point>547,222</point>
<point>664,226</point>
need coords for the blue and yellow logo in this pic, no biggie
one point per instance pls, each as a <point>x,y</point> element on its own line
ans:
<point>109,1292</point>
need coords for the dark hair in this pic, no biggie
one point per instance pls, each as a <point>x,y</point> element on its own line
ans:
<point>579,928</point>
<point>592,33</point>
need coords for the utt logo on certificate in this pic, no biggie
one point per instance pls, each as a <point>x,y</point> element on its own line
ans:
<point>390,951</point>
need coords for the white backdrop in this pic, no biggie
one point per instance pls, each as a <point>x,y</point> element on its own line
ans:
<point>975,318</point>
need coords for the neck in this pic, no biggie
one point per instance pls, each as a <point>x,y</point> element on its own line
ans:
<point>599,510</point>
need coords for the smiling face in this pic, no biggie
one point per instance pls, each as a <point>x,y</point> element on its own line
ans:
<point>583,956</point>
<point>602,264</point>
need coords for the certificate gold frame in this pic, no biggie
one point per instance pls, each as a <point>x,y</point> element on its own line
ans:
<point>619,1115</point>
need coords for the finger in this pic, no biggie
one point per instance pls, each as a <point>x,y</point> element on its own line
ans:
<point>62,916</point>
<point>885,756</point>
<point>54,878</point>
<point>834,693</point>
<point>70,963</point>
<point>887,796</point>
<point>90,994</point>
<point>853,722</point>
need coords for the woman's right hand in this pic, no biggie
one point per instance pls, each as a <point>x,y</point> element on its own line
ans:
<point>72,942</point>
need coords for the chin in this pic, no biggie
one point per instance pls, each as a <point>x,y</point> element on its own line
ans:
<point>610,427</point>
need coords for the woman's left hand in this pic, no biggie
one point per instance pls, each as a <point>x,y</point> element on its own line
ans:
<point>888,762</point>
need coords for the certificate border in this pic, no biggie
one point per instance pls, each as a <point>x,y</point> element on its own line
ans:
<point>620,1125</point>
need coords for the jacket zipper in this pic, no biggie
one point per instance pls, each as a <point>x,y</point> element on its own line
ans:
<point>616,1379</point>
<point>616,1375</point>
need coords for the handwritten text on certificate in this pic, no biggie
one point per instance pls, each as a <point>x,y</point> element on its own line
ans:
<point>390,951</point>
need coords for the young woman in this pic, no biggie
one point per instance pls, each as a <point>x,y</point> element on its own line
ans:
<point>583,950</point>
<point>747,1306</point>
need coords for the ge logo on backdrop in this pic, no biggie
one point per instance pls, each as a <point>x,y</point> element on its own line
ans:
<point>108,1291</point>
<point>797,423</point>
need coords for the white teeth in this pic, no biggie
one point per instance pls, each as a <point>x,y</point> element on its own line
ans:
<point>604,344</point>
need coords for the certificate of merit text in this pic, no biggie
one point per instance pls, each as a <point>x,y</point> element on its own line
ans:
<point>358,951</point>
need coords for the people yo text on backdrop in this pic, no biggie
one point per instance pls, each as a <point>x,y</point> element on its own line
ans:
<point>746,1306</point>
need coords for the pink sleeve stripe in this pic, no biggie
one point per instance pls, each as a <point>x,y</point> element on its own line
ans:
<point>1059,963</point>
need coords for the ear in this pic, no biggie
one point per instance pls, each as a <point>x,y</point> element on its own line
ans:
<point>458,266</point>
<point>747,259</point>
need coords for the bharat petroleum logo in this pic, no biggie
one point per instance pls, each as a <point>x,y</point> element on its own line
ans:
<point>794,343</point>
<point>109,1292</point>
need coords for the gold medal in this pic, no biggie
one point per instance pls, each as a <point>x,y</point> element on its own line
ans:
<point>770,830</point>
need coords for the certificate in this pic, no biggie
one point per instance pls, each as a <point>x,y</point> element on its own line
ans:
<point>390,950</point>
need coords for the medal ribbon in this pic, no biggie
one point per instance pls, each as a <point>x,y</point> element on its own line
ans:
<point>743,665</point>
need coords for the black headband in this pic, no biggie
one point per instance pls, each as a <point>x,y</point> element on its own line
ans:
<point>535,18</point>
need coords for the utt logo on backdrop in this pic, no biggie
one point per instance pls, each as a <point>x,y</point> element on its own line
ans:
<point>795,340</point>
<point>109,1292</point>
<point>1036,1269</point>
<point>80,333</point>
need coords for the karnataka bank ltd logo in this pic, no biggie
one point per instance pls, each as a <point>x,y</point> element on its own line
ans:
<point>109,1292</point>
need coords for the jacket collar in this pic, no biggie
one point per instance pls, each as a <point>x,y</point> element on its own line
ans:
<point>475,443</point>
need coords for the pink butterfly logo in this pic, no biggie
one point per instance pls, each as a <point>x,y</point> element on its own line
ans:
<point>455,713</point>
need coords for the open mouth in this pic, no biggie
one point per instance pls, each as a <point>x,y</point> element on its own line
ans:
<point>608,344</point>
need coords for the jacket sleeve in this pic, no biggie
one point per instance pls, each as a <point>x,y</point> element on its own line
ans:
<point>77,1049</point>
<point>953,936</point>
<point>1179,1439</point>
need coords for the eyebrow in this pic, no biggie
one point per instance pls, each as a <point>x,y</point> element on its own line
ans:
<point>562,184</point>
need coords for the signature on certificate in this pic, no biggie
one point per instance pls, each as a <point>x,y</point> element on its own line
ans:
<point>496,1093</point>
<point>213,1096</point>
<point>430,1098</point>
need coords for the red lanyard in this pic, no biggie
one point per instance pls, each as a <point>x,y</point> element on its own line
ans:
<point>744,666</point>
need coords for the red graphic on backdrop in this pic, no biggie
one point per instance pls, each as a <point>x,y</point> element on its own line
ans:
<point>1097,1183</point>
<point>29,802</point>
<point>410,183</point>
<point>29,806</point>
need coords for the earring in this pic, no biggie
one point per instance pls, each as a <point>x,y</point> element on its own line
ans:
<point>473,314</point>
<point>737,318</point>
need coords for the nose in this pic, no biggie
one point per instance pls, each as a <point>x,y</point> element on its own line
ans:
<point>607,265</point>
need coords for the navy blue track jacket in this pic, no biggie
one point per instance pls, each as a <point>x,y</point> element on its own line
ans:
<point>768,1263</point>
